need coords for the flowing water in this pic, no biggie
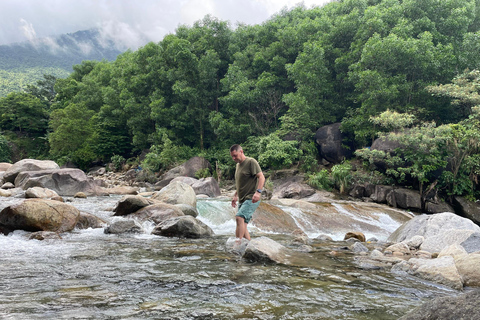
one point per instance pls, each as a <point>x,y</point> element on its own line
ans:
<point>91,275</point>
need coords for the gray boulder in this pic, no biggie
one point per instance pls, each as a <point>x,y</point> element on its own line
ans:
<point>123,226</point>
<point>66,182</point>
<point>467,209</point>
<point>405,199</point>
<point>4,166</point>
<point>187,210</point>
<point>264,249</point>
<point>183,227</point>
<point>380,193</point>
<point>130,204</point>
<point>158,212</point>
<point>87,220</point>
<point>208,186</point>
<point>468,239</point>
<point>38,192</point>
<point>187,169</point>
<point>292,189</point>
<point>330,143</point>
<point>177,192</point>
<point>28,165</point>
<point>461,307</point>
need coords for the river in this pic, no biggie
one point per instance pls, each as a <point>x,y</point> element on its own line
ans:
<point>91,275</point>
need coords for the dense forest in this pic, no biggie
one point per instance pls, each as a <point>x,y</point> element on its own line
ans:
<point>401,69</point>
<point>25,63</point>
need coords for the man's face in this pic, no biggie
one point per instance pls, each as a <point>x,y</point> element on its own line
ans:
<point>237,156</point>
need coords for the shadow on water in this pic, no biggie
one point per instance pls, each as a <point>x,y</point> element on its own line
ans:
<point>91,275</point>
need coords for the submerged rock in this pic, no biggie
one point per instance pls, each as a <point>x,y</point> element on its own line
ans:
<point>183,227</point>
<point>123,226</point>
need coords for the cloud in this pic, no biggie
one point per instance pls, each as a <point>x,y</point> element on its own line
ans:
<point>126,20</point>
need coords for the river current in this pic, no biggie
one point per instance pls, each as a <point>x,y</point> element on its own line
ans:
<point>91,275</point>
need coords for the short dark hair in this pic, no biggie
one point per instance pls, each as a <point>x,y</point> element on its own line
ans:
<point>235,147</point>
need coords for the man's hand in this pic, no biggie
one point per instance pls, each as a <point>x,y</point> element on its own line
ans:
<point>234,201</point>
<point>256,197</point>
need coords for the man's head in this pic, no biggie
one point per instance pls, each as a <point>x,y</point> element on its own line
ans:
<point>236,152</point>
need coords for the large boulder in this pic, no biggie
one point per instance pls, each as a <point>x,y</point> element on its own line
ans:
<point>40,215</point>
<point>183,227</point>
<point>405,199</point>
<point>431,225</point>
<point>158,212</point>
<point>441,270</point>
<point>467,239</point>
<point>38,192</point>
<point>380,194</point>
<point>330,143</point>
<point>123,226</point>
<point>66,182</point>
<point>88,220</point>
<point>130,204</point>
<point>468,267</point>
<point>4,166</point>
<point>271,218</point>
<point>187,169</point>
<point>28,165</point>
<point>467,209</point>
<point>208,186</point>
<point>292,189</point>
<point>177,192</point>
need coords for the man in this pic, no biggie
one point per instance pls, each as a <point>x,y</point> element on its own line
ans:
<point>249,181</point>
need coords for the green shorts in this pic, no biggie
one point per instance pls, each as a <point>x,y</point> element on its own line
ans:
<point>246,210</point>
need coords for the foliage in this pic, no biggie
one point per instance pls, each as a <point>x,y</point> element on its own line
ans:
<point>117,162</point>
<point>5,150</point>
<point>273,152</point>
<point>341,175</point>
<point>321,180</point>
<point>203,173</point>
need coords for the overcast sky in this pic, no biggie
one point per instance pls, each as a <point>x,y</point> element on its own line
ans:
<point>127,20</point>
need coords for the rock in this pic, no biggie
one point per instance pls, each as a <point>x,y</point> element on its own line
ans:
<point>57,198</point>
<point>454,250</point>
<point>28,165</point>
<point>130,204</point>
<point>441,270</point>
<point>431,225</point>
<point>438,207</point>
<point>121,190</point>
<point>5,193</point>
<point>123,226</point>
<point>415,242</point>
<point>292,189</point>
<point>235,245</point>
<point>452,236</point>
<point>468,267</point>
<point>461,307</point>
<point>177,192</point>
<point>357,235</point>
<point>358,247</point>
<point>65,182</point>
<point>38,192</point>
<point>380,194</point>
<point>40,215</point>
<point>183,227</point>
<point>80,195</point>
<point>158,212</point>
<point>405,199</point>
<point>8,185</point>
<point>207,186</point>
<point>187,210</point>
<point>399,248</point>
<point>271,218</point>
<point>358,191</point>
<point>467,209</point>
<point>97,171</point>
<point>187,169</point>
<point>264,249</point>
<point>4,166</point>
<point>87,220</point>
<point>44,235</point>
<point>330,143</point>
<point>324,237</point>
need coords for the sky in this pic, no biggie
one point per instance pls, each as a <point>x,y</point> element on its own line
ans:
<point>130,22</point>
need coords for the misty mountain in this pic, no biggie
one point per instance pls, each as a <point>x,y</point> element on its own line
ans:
<point>25,63</point>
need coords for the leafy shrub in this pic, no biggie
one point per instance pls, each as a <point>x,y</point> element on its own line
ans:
<point>5,150</point>
<point>117,162</point>
<point>320,180</point>
<point>274,153</point>
<point>203,173</point>
<point>341,174</point>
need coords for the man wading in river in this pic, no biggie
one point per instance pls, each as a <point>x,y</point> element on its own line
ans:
<point>249,180</point>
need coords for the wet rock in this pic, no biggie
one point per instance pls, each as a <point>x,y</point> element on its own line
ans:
<point>130,204</point>
<point>358,247</point>
<point>28,165</point>
<point>44,235</point>
<point>8,185</point>
<point>415,242</point>
<point>324,237</point>
<point>271,218</point>
<point>183,227</point>
<point>80,195</point>
<point>40,215</point>
<point>158,212</point>
<point>175,193</point>
<point>5,193</point>
<point>398,249</point>
<point>87,220</point>
<point>187,210</point>
<point>441,270</point>
<point>121,190</point>
<point>123,226</point>
<point>38,192</point>
<point>462,307</point>
<point>264,249</point>
<point>356,235</point>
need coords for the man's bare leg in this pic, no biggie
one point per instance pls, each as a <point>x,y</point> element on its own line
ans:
<point>241,227</point>
<point>246,234</point>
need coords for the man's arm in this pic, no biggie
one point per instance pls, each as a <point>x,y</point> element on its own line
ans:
<point>234,200</point>
<point>261,182</point>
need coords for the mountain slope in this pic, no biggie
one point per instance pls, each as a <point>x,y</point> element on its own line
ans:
<point>25,62</point>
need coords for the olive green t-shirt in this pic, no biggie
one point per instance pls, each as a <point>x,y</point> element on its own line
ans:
<point>246,178</point>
